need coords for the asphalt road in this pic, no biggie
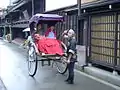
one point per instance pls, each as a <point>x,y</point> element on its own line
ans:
<point>14,74</point>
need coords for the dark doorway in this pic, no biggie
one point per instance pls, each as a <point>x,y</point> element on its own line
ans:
<point>82,31</point>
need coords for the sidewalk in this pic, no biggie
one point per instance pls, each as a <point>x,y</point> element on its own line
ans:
<point>2,87</point>
<point>101,74</point>
<point>18,41</point>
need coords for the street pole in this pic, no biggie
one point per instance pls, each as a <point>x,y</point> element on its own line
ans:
<point>79,7</point>
<point>78,20</point>
<point>10,2</point>
<point>32,7</point>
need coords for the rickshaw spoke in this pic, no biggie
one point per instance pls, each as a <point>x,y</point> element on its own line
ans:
<point>60,65</point>
<point>32,61</point>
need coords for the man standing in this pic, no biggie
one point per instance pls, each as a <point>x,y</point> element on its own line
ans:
<point>71,51</point>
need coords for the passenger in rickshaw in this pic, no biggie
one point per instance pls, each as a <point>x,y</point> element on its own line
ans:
<point>71,51</point>
<point>45,44</point>
<point>39,29</point>
<point>50,33</point>
<point>39,33</point>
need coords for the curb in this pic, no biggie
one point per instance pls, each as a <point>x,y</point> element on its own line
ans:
<point>100,74</point>
<point>16,43</point>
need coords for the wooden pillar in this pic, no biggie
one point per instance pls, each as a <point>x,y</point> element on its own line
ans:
<point>33,8</point>
<point>4,33</point>
<point>39,6</point>
<point>10,28</point>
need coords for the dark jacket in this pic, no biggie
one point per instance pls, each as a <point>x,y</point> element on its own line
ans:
<point>72,48</point>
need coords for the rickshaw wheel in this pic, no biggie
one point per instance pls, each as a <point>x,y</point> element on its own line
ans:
<point>32,61</point>
<point>61,66</point>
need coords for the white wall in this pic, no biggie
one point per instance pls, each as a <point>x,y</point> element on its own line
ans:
<point>55,4</point>
<point>4,3</point>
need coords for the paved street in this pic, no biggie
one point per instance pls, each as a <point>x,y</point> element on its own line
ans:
<point>14,74</point>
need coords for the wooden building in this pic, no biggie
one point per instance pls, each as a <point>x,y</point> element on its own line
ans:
<point>18,15</point>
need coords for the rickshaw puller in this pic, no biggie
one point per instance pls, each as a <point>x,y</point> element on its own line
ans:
<point>71,51</point>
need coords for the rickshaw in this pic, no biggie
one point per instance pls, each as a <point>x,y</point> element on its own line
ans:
<point>57,61</point>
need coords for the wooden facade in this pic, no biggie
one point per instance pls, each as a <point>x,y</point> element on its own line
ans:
<point>17,16</point>
<point>98,29</point>
<point>103,34</point>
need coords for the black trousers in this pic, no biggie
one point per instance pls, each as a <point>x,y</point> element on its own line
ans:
<point>71,71</point>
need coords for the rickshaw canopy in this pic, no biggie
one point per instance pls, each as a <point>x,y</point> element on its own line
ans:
<point>46,17</point>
